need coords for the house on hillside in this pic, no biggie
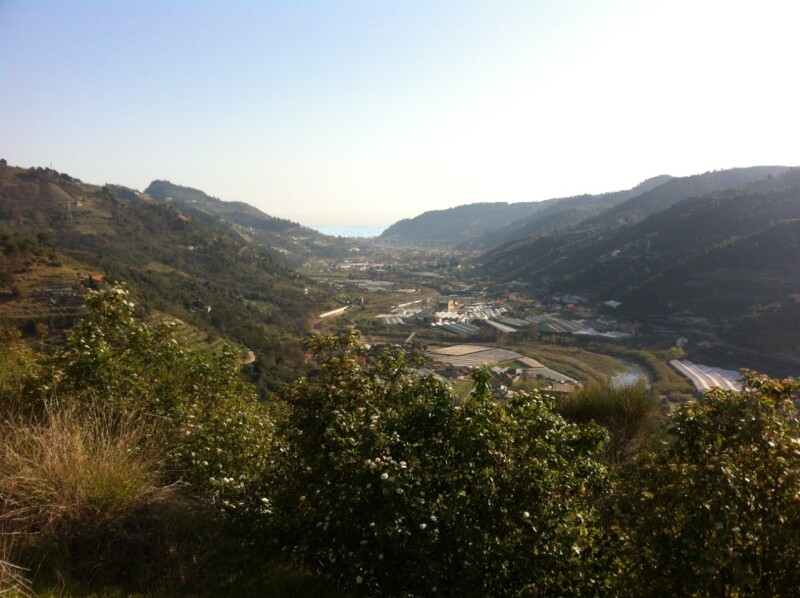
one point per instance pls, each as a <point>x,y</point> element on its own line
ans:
<point>96,282</point>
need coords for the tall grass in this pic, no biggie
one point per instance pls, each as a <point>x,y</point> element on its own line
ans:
<point>82,494</point>
<point>75,468</point>
<point>13,581</point>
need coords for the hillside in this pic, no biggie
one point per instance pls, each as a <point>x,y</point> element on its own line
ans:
<point>559,214</point>
<point>457,225</point>
<point>57,231</point>
<point>729,256</point>
<point>292,242</point>
<point>677,189</point>
<point>489,224</point>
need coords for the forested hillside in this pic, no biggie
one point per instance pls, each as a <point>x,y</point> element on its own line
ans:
<point>456,225</point>
<point>730,256</point>
<point>291,242</point>
<point>559,214</point>
<point>59,231</point>
<point>484,226</point>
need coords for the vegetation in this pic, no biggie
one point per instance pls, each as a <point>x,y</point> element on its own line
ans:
<point>206,275</point>
<point>130,464</point>
<point>630,414</point>
<point>122,455</point>
<point>397,489</point>
<point>716,512</point>
<point>288,241</point>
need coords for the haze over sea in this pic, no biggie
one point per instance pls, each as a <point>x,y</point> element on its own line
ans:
<point>350,231</point>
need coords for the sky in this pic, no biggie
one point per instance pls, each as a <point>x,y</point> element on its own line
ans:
<point>360,113</point>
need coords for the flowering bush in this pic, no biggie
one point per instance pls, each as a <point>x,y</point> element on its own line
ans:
<point>393,487</point>
<point>218,436</point>
<point>717,512</point>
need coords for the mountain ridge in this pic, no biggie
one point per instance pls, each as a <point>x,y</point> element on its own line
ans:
<point>291,242</point>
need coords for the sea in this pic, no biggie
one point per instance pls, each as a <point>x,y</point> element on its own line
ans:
<point>350,231</point>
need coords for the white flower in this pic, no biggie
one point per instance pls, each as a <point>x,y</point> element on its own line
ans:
<point>423,525</point>
<point>384,476</point>
<point>359,579</point>
<point>526,515</point>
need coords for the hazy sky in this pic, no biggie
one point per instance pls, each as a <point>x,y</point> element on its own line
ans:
<point>365,112</point>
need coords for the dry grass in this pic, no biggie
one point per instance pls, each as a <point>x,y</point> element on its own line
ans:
<point>81,494</point>
<point>73,467</point>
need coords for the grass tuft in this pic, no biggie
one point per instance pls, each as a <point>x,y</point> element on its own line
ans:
<point>81,493</point>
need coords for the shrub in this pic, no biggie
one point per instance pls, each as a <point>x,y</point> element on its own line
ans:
<point>20,371</point>
<point>394,488</point>
<point>630,414</point>
<point>213,431</point>
<point>717,512</point>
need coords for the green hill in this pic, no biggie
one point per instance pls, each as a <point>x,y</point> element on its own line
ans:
<point>212,279</point>
<point>730,256</point>
<point>560,214</point>
<point>291,242</point>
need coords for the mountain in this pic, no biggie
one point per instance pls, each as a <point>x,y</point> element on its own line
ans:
<point>56,231</point>
<point>483,226</point>
<point>489,224</point>
<point>731,256</point>
<point>677,189</point>
<point>456,225</point>
<point>559,214</point>
<point>293,242</point>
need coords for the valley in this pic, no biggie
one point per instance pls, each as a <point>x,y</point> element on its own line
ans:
<point>254,341</point>
<point>654,275</point>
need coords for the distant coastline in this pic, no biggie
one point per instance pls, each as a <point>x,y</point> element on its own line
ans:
<point>350,231</point>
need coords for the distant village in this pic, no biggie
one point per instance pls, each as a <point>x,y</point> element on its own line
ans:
<point>469,312</point>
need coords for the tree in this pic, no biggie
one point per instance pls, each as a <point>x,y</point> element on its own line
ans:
<point>718,511</point>
<point>395,488</point>
<point>630,414</point>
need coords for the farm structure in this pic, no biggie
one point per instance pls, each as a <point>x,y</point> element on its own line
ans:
<point>476,356</point>
<point>705,378</point>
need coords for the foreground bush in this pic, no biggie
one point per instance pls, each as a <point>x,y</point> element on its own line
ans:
<point>717,513</point>
<point>394,488</point>
<point>123,453</point>
<point>214,433</point>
